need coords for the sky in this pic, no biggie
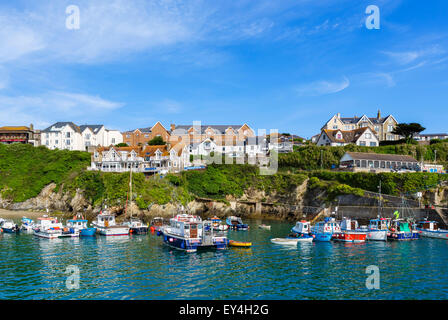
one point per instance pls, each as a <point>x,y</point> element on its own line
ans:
<point>285,65</point>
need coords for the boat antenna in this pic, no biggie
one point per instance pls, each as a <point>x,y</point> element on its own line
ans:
<point>379,201</point>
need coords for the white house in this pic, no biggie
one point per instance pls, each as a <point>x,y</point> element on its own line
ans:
<point>361,137</point>
<point>67,135</point>
<point>62,135</point>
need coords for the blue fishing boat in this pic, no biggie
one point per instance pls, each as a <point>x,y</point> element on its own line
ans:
<point>235,223</point>
<point>79,225</point>
<point>27,224</point>
<point>302,230</point>
<point>324,230</point>
<point>401,230</point>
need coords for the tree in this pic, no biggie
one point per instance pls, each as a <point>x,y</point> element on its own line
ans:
<point>408,130</point>
<point>121,144</point>
<point>156,141</point>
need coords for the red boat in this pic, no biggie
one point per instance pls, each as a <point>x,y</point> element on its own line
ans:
<point>350,232</point>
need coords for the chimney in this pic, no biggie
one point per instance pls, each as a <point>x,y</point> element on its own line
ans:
<point>338,115</point>
<point>379,114</point>
<point>172,127</point>
<point>31,127</point>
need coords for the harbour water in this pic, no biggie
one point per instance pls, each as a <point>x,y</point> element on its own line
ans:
<point>142,267</point>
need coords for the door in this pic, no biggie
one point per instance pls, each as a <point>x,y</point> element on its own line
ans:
<point>193,231</point>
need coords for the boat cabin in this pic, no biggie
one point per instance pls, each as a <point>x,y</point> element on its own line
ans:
<point>379,224</point>
<point>49,222</point>
<point>77,223</point>
<point>105,220</point>
<point>428,225</point>
<point>328,225</point>
<point>157,221</point>
<point>400,226</point>
<point>186,226</point>
<point>349,224</point>
<point>301,227</point>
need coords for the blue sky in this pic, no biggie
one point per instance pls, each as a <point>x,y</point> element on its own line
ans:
<point>286,65</point>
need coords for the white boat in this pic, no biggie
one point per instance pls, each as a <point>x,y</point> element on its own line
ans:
<point>217,225</point>
<point>27,224</point>
<point>377,229</point>
<point>287,241</point>
<point>431,229</point>
<point>50,228</point>
<point>107,226</point>
<point>264,226</point>
<point>189,233</point>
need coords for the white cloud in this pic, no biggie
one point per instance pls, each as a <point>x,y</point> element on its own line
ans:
<point>318,88</point>
<point>50,107</point>
<point>168,106</point>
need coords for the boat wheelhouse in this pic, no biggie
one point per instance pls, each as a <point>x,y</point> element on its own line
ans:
<point>324,230</point>
<point>79,224</point>
<point>302,231</point>
<point>107,226</point>
<point>401,230</point>
<point>431,229</point>
<point>189,233</point>
<point>235,223</point>
<point>350,232</point>
<point>136,226</point>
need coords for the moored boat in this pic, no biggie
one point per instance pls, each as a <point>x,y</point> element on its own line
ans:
<point>235,223</point>
<point>9,226</point>
<point>50,228</point>
<point>156,224</point>
<point>107,226</point>
<point>136,226</point>
<point>431,229</point>
<point>264,226</point>
<point>377,229</point>
<point>27,224</point>
<point>217,224</point>
<point>240,244</point>
<point>350,232</point>
<point>401,230</point>
<point>79,224</point>
<point>189,233</point>
<point>324,230</point>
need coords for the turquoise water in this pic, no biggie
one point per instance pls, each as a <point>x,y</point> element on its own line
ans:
<point>142,267</point>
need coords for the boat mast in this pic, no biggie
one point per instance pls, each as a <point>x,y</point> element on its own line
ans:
<point>379,201</point>
<point>130,188</point>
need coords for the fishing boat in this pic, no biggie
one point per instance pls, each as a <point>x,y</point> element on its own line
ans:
<point>9,226</point>
<point>264,226</point>
<point>156,224</point>
<point>235,223</point>
<point>301,231</point>
<point>79,224</point>
<point>324,230</point>
<point>217,225</point>
<point>400,230</point>
<point>50,228</point>
<point>27,224</point>
<point>136,226</point>
<point>240,244</point>
<point>377,229</point>
<point>189,233</point>
<point>430,229</point>
<point>107,226</point>
<point>285,241</point>
<point>350,232</point>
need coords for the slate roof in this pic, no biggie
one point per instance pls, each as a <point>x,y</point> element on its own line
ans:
<point>60,125</point>
<point>220,129</point>
<point>380,157</point>
<point>350,136</point>
<point>94,127</point>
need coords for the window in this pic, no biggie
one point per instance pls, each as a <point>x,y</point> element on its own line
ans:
<point>362,143</point>
<point>390,128</point>
<point>67,142</point>
<point>56,142</point>
<point>128,136</point>
<point>87,136</point>
<point>47,135</point>
<point>335,127</point>
<point>368,136</point>
<point>146,135</point>
<point>113,140</point>
<point>377,128</point>
<point>67,135</point>
<point>373,144</point>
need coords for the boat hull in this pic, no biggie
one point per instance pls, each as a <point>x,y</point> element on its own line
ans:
<point>291,241</point>
<point>11,230</point>
<point>350,236</point>
<point>88,232</point>
<point>403,236</point>
<point>115,231</point>
<point>322,237</point>
<point>377,235</point>
<point>192,245</point>
<point>438,234</point>
<point>47,235</point>
<point>139,230</point>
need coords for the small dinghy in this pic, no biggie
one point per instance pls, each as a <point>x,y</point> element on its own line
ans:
<point>263,226</point>
<point>288,241</point>
<point>240,244</point>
